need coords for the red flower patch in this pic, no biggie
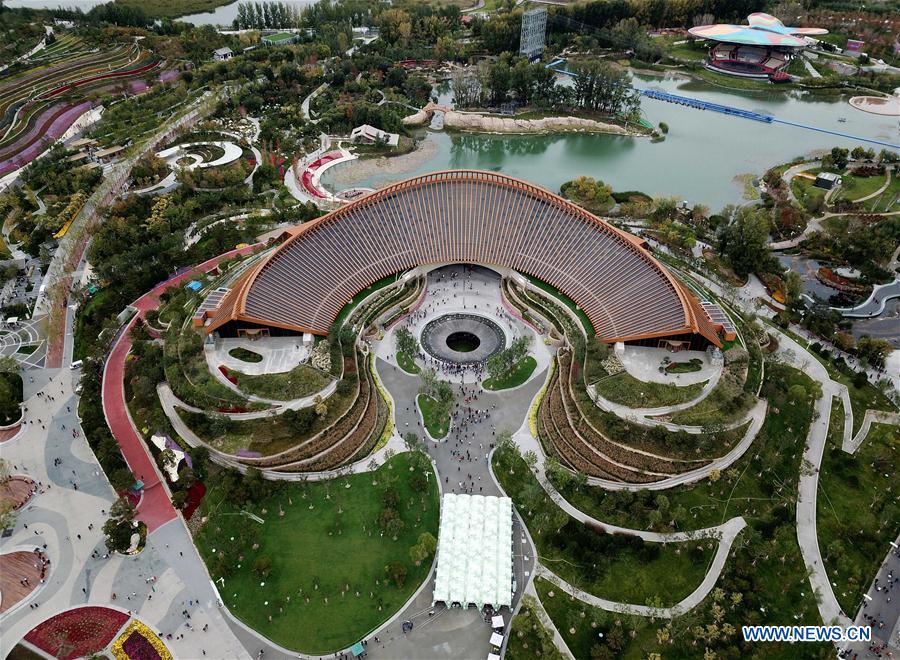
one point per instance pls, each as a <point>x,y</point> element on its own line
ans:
<point>77,633</point>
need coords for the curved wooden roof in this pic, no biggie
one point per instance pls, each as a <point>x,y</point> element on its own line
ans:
<point>465,216</point>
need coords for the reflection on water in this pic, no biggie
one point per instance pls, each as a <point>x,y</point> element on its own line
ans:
<point>698,161</point>
<point>225,14</point>
<point>811,286</point>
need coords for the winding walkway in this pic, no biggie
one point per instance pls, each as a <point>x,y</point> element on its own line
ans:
<point>730,530</point>
<point>155,507</point>
<point>807,535</point>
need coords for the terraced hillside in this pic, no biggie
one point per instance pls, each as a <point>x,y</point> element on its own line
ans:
<point>41,99</point>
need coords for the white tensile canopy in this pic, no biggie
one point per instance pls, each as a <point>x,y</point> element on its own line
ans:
<point>474,555</point>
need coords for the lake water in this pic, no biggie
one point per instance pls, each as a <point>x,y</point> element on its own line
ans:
<point>84,5</point>
<point>698,161</point>
<point>223,15</point>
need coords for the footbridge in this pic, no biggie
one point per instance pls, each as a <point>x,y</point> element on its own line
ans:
<point>558,66</point>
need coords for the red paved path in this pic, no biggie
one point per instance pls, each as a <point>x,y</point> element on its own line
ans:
<point>155,507</point>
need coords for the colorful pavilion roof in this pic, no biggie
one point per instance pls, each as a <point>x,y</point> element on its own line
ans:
<point>763,30</point>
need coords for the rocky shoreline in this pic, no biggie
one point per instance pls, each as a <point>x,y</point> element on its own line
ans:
<point>477,123</point>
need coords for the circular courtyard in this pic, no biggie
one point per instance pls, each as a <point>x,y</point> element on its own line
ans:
<point>462,338</point>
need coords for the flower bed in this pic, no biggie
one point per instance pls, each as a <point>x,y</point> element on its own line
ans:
<point>77,633</point>
<point>139,642</point>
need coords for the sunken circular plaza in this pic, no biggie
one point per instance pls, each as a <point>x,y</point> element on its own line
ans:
<point>462,338</point>
<point>463,216</point>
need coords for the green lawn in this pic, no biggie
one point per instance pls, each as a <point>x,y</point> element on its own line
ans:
<point>327,545</point>
<point>854,187</point>
<point>437,427</point>
<point>889,200</point>
<point>241,353</point>
<point>758,489</point>
<point>302,380</point>
<point>407,363</point>
<point>528,638</point>
<point>809,196</point>
<point>856,502</point>
<point>618,567</point>
<point>519,374</point>
<point>625,389</point>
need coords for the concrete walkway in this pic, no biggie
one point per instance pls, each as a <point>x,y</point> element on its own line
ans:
<point>730,530</point>
<point>887,182</point>
<point>807,534</point>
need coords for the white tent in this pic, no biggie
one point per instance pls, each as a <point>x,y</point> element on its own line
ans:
<point>496,640</point>
<point>497,622</point>
<point>474,555</point>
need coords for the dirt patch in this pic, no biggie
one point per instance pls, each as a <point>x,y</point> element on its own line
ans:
<point>361,169</point>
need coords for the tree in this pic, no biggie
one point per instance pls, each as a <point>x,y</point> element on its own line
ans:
<point>744,241</point>
<point>262,565</point>
<point>397,572</point>
<point>793,288</point>
<point>320,406</point>
<point>394,527</point>
<point>592,194</point>
<point>875,351</point>
<point>425,547</point>
<point>8,364</point>
<point>838,158</point>
<point>119,527</point>
<point>406,342</point>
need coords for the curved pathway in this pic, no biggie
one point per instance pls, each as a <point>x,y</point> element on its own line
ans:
<point>730,530</point>
<point>627,412</point>
<point>807,535</point>
<point>887,182</point>
<point>155,507</point>
<point>366,464</point>
<point>874,305</point>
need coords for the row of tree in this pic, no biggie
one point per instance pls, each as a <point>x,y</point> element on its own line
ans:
<point>599,87</point>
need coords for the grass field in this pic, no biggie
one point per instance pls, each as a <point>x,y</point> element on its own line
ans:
<point>245,355</point>
<point>407,363</point>
<point>620,568</point>
<point>805,192</point>
<point>854,187</point>
<point>887,201</point>
<point>528,638</point>
<point>302,380</point>
<point>756,488</point>
<point>520,373</point>
<point>327,586</point>
<point>855,504</point>
<point>437,427</point>
<point>625,389</point>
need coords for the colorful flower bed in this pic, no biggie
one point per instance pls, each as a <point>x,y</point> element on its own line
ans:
<point>139,642</point>
<point>77,633</point>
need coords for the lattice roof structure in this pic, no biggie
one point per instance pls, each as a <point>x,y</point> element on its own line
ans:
<point>465,216</point>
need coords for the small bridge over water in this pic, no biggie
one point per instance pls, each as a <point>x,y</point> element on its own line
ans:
<point>558,65</point>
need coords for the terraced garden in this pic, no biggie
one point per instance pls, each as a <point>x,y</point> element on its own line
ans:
<point>39,102</point>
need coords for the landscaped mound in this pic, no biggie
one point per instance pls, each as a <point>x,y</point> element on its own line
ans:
<point>77,633</point>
